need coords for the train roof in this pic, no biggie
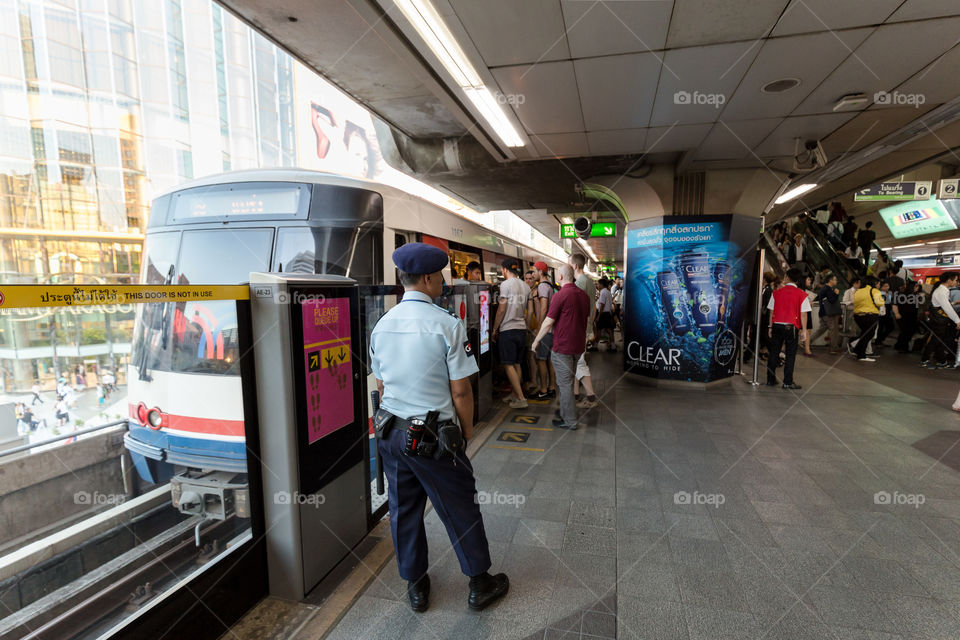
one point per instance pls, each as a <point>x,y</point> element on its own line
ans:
<point>321,177</point>
<point>283,175</point>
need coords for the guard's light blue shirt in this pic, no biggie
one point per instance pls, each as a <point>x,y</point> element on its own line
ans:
<point>417,348</point>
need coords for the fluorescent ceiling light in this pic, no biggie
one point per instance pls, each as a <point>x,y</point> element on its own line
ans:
<point>431,27</point>
<point>942,241</point>
<point>485,103</point>
<point>434,32</point>
<point>795,192</point>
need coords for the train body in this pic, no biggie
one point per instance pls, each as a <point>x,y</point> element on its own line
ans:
<point>184,391</point>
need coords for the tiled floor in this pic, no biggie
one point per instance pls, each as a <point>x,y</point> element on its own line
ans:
<point>739,512</point>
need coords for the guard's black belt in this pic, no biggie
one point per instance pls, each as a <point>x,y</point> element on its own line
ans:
<point>436,439</point>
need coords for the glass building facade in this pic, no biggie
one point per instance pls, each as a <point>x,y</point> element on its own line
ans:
<point>103,104</point>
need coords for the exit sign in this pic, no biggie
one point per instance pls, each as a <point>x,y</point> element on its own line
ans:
<point>598,230</point>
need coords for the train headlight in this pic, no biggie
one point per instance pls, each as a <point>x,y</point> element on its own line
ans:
<point>154,419</point>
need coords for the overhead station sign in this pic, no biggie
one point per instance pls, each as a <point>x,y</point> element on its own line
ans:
<point>885,191</point>
<point>597,230</point>
<point>949,188</point>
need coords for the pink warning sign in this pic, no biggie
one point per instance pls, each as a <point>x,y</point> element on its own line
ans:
<point>327,367</point>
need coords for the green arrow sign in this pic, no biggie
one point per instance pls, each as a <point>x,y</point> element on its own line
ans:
<point>598,230</point>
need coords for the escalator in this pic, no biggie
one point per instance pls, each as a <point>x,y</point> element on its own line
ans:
<point>774,260</point>
<point>820,252</point>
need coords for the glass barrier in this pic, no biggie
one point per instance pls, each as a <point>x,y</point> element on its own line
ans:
<point>375,300</point>
<point>114,410</point>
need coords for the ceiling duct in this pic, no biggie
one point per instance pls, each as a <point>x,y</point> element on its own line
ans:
<point>924,125</point>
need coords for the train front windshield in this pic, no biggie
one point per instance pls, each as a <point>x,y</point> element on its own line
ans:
<point>196,337</point>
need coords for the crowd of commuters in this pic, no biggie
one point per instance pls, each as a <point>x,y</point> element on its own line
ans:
<point>882,298</point>
<point>543,330</point>
<point>860,319</point>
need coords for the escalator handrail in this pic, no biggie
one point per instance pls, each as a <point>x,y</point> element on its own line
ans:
<point>834,260</point>
<point>777,261</point>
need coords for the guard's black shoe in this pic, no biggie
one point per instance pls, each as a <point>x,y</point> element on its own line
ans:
<point>792,386</point>
<point>419,593</point>
<point>486,588</point>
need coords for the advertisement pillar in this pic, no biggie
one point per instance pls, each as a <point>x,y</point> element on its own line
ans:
<point>687,281</point>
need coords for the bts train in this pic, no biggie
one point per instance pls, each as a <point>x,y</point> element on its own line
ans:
<point>186,417</point>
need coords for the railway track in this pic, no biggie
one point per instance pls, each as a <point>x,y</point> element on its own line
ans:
<point>118,589</point>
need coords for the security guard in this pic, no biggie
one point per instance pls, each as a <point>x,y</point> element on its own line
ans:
<point>423,361</point>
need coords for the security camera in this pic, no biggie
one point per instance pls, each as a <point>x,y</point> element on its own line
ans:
<point>582,226</point>
<point>811,157</point>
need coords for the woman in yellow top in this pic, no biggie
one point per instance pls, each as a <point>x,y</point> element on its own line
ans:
<point>867,305</point>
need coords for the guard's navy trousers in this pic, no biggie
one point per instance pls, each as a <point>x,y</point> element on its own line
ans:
<point>452,491</point>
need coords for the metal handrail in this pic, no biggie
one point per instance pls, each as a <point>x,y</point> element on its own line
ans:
<point>66,436</point>
<point>838,264</point>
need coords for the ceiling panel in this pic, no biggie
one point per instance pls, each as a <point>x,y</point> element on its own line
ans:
<point>868,127</point>
<point>509,32</point>
<point>923,9</point>
<point>889,56</point>
<point>556,145</point>
<point>937,81</point>
<point>735,140</point>
<point>605,28</point>
<point>616,142</point>
<point>805,16</point>
<point>809,58</point>
<point>550,100</point>
<point>701,73</point>
<point>781,141</point>
<point>617,92</point>
<point>698,22</point>
<point>678,138</point>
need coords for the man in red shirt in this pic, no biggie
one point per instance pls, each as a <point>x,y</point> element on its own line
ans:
<point>788,306</point>
<point>568,314</point>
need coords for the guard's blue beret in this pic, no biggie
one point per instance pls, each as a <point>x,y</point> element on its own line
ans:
<point>418,258</point>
